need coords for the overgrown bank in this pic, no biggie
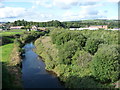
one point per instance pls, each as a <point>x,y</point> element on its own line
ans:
<point>12,58</point>
<point>82,59</point>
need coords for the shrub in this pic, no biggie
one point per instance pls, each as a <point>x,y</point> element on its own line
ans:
<point>105,64</point>
<point>67,51</point>
<point>82,58</point>
<point>60,37</point>
<point>92,45</point>
<point>79,37</point>
<point>5,40</point>
<point>54,35</point>
<point>82,82</point>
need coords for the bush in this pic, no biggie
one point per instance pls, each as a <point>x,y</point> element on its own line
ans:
<point>79,38</point>
<point>92,45</point>
<point>82,82</point>
<point>5,40</point>
<point>54,35</point>
<point>60,37</point>
<point>67,51</point>
<point>105,64</point>
<point>82,58</point>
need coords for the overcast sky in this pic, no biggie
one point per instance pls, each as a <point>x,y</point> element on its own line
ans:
<point>62,10</point>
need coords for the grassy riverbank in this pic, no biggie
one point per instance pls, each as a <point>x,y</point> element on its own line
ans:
<point>11,76</point>
<point>74,55</point>
<point>10,58</point>
<point>11,51</point>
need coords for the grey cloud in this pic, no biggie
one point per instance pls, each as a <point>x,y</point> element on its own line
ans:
<point>87,3</point>
<point>64,6</point>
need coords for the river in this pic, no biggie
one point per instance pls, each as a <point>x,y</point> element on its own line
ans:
<point>34,74</point>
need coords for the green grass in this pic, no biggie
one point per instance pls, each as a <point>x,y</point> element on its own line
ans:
<point>9,33</point>
<point>12,32</point>
<point>17,30</point>
<point>5,52</point>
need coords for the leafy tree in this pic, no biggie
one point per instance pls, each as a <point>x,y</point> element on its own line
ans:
<point>106,63</point>
<point>67,51</point>
<point>81,58</point>
<point>92,44</point>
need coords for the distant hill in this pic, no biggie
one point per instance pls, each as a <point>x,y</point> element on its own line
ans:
<point>2,22</point>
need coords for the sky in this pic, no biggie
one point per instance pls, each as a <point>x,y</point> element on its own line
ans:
<point>62,10</point>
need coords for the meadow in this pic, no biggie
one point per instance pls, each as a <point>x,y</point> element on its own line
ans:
<point>11,32</point>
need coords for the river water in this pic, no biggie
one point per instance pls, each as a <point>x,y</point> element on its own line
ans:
<point>34,74</point>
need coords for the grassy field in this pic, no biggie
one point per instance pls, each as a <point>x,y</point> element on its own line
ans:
<point>11,76</point>
<point>12,32</point>
<point>5,51</point>
<point>9,33</point>
<point>17,30</point>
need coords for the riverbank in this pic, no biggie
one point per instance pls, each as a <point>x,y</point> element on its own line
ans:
<point>72,65</point>
<point>11,75</point>
<point>12,56</point>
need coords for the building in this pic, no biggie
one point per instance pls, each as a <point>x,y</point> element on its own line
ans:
<point>34,28</point>
<point>16,27</point>
<point>83,28</point>
<point>115,29</point>
<point>1,29</point>
<point>99,26</point>
<point>42,28</point>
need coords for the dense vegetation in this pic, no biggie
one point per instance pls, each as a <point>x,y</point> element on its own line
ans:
<point>82,59</point>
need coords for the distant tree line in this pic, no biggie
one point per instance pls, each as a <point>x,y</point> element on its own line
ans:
<point>67,24</point>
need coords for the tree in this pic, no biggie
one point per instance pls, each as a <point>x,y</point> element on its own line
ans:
<point>106,63</point>
<point>92,44</point>
<point>67,51</point>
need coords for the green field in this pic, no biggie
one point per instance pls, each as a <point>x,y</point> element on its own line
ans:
<point>9,33</point>
<point>17,30</point>
<point>12,32</point>
<point>5,51</point>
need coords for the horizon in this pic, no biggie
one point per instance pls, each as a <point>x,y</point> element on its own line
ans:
<point>61,10</point>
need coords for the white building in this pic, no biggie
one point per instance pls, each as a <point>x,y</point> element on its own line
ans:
<point>84,28</point>
<point>16,27</point>
<point>34,28</point>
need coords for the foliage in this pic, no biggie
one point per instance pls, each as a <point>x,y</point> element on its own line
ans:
<point>105,64</point>
<point>82,82</point>
<point>72,56</point>
<point>6,40</point>
<point>60,37</point>
<point>67,51</point>
<point>28,36</point>
<point>81,58</point>
<point>92,45</point>
<point>67,24</point>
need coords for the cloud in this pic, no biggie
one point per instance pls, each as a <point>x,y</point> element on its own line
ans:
<point>70,3</point>
<point>85,12</point>
<point>67,4</point>
<point>74,10</point>
<point>45,3</point>
<point>10,12</point>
